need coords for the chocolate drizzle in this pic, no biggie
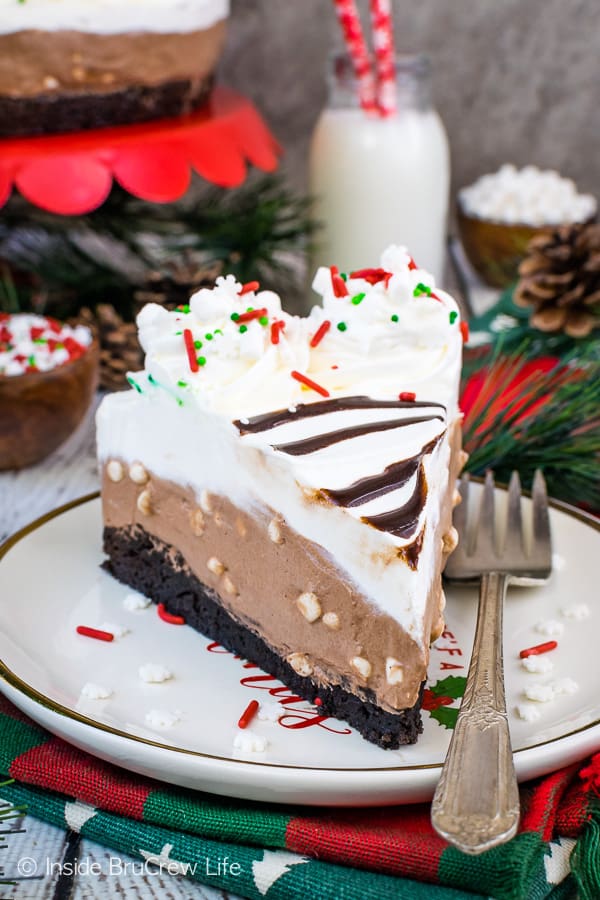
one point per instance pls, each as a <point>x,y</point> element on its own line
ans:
<point>326,439</point>
<point>393,477</point>
<point>410,554</point>
<point>365,489</point>
<point>307,410</point>
<point>403,521</point>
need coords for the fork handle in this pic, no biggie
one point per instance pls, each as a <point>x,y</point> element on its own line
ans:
<point>476,802</point>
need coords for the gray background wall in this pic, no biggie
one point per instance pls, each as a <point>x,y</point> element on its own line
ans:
<point>514,80</point>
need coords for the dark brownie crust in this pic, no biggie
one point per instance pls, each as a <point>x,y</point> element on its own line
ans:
<point>51,114</point>
<point>146,564</point>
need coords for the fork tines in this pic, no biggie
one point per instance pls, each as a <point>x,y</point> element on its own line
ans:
<point>478,550</point>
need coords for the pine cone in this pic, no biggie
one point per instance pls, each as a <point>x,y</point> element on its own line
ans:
<point>560,279</point>
<point>120,351</point>
<point>174,286</point>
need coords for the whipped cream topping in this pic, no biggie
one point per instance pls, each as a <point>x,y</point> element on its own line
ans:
<point>384,331</point>
<point>111,16</point>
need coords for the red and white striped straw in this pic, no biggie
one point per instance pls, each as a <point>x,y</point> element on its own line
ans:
<point>356,45</point>
<point>383,43</point>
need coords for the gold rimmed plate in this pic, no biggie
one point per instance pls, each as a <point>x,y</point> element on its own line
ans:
<point>183,730</point>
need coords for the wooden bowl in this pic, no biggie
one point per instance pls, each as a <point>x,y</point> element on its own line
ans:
<point>39,410</point>
<point>494,249</point>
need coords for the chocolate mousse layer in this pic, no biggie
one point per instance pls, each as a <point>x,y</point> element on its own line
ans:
<point>67,80</point>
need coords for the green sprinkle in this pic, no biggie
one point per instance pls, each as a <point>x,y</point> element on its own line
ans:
<point>394,318</point>
<point>234,317</point>
<point>358,298</point>
<point>341,326</point>
<point>201,360</point>
<point>243,328</point>
<point>453,317</point>
<point>421,289</point>
<point>179,401</point>
<point>60,346</point>
<point>217,331</point>
<point>40,340</point>
<point>197,344</point>
<point>184,308</point>
<point>208,337</point>
<point>249,309</point>
<point>31,360</point>
<point>134,384</point>
<point>182,383</point>
<point>343,276</point>
<point>152,379</point>
<point>178,332</point>
<point>264,320</point>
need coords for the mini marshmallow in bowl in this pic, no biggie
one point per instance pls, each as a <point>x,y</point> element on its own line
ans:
<point>528,196</point>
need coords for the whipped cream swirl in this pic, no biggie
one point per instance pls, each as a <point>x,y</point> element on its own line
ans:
<point>379,332</point>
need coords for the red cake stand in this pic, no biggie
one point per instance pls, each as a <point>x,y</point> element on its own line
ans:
<point>72,174</point>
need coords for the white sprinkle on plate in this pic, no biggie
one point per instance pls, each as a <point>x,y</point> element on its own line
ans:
<point>154,673</point>
<point>91,691</point>
<point>250,742</point>
<point>161,719</point>
<point>550,626</point>
<point>134,602</point>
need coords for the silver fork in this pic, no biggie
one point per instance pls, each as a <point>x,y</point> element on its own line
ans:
<point>476,802</point>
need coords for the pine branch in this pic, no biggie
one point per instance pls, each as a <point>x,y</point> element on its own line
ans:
<point>548,420</point>
<point>65,262</point>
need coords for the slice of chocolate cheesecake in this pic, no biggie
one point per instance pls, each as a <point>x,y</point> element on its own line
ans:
<point>286,484</point>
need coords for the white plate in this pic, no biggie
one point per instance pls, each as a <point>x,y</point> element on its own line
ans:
<point>50,582</point>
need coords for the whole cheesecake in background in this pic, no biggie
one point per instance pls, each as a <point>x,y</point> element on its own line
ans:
<point>286,484</point>
<point>74,64</point>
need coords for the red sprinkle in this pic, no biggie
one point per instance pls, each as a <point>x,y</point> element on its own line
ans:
<point>276,329</point>
<point>54,325</point>
<point>539,648</point>
<point>248,714</point>
<point>407,396</point>
<point>188,340</point>
<point>73,348</point>
<point>95,633</point>
<point>320,333</point>
<point>318,701</point>
<point>412,264</point>
<point>36,332</point>
<point>464,330</point>
<point>338,283</point>
<point>373,276</point>
<point>310,383</point>
<point>169,617</point>
<point>5,335</point>
<point>248,288</point>
<point>253,314</point>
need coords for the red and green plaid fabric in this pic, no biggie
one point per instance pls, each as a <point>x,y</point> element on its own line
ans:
<point>288,852</point>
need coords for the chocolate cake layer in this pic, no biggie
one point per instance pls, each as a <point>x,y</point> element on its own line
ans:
<point>55,113</point>
<point>147,564</point>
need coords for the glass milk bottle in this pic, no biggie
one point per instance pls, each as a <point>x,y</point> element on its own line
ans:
<point>378,181</point>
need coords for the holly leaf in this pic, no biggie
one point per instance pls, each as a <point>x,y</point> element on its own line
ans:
<point>445,715</point>
<point>451,686</point>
